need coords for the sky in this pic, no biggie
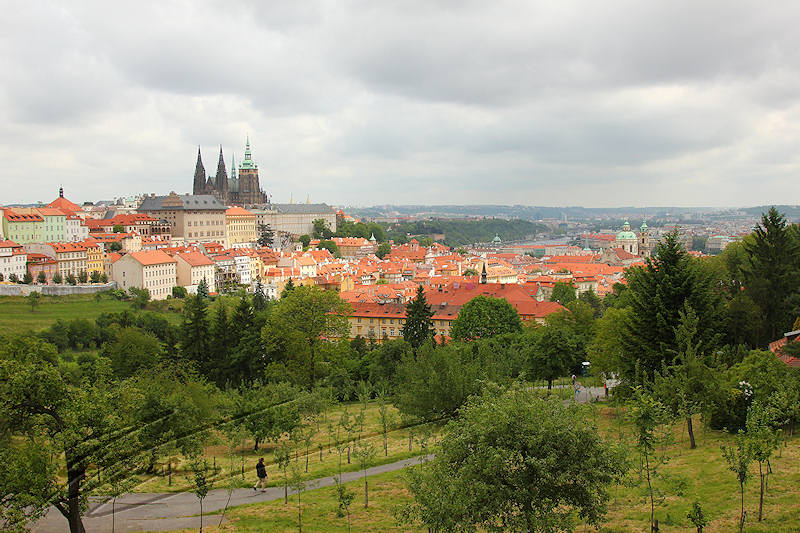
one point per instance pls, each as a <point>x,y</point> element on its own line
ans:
<point>409,102</point>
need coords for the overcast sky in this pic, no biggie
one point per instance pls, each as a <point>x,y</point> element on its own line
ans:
<point>360,103</point>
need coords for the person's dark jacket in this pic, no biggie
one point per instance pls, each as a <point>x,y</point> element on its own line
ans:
<point>261,471</point>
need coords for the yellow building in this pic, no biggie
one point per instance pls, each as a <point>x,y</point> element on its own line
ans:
<point>95,257</point>
<point>240,226</point>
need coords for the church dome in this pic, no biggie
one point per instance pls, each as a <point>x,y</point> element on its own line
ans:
<point>626,234</point>
<point>496,239</point>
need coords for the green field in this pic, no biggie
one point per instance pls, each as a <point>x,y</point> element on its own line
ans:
<point>16,315</point>
<point>688,474</point>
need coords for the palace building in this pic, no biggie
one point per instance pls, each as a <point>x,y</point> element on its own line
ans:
<point>241,188</point>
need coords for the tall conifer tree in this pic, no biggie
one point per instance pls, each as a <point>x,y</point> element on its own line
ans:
<point>419,324</point>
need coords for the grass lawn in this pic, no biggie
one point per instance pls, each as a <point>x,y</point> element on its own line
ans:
<point>688,474</point>
<point>16,315</point>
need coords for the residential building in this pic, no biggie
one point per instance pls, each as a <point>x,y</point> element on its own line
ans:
<point>41,263</point>
<point>71,256</point>
<point>13,259</point>
<point>192,268</point>
<point>23,228</point>
<point>152,270</point>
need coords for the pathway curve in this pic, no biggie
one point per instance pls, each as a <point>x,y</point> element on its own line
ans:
<point>171,511</point>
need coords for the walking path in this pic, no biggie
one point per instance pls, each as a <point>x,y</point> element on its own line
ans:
<point>170,511</point>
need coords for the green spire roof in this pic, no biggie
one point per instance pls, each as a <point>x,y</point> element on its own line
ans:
<point>248,160</point>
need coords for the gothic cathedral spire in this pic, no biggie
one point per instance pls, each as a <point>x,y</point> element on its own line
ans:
<point>221,179</point>
<point>199,175</point>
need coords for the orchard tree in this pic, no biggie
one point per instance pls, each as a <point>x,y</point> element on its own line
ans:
<point>418,327</point>
<point>484,317</point>
<point>33,299</point>
<point>552,354</point>
<point>514,462</point>
<point>739,458</point>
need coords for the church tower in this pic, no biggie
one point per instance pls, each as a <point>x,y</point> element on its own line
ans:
<point>644,240</point>
<point>199,186</point>
<point>221,179</point>
<point>249,188</point>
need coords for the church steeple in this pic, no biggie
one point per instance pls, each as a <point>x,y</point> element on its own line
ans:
<point>248,157</point>
<point>199,175</point>
<point>221,179</point>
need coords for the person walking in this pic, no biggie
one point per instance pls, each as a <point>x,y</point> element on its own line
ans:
<point>261,472</point>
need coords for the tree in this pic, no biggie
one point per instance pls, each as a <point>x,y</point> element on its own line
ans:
<point>41,278</point>
<point>115,246</point>
<point>739,457</point>
<point>95,276</point>
<point>344,497</point>
<point>220,343</point>
<point>179,292</point>
<point>763,440</point>
<point>69,423</point>
<point>83,277</point>
<point>33,299</point>
<point>551,355</point>
<point>194,337</point>
<point>132,350</point>
<point>697,517</point>
<point>27,483</point>
<point>658,293</point>
<point>287,288</point>
<point>647,414</point>
<point>771,270</point>
<point>202,480</point>
<point>331,246</point>
<point>307,314</point>
<point>383,250</point>
<point>140,297</point>
<point>264,412</point>
<point>304,240</point>
<point>418,326</point>
<point>57,278</point>
<point>103,278</point>
<point>321,229</point>
<point>202,289</point>
<point>27,278</point>
<point>365,453</point>
<point>71,279</point>
<point>118,228</point>
<point>265,235</point>
<point>259,298</point>
<point>563,293</point>
<point>485,316</point>
<point>514,462</point>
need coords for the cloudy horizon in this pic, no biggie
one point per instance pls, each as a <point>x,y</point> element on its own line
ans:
<point>371,103</point>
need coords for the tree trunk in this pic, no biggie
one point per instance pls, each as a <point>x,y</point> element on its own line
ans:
<point>313,367</point>
<point>690,429</point>
<point>549,386</point>
<point>113,513</point>
<point>255,447</point>
<point>75,476</point>
<point>761,494</point>
<point>306,459</point>
<point>366,490</point>
<point>299,514</point>
<point>650,489</point>
<point>201,515</point>
<point>741,508</point>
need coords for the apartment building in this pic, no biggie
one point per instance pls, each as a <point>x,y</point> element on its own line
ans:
<point>152,270</point>
<point>240,226</point>
<point>192,268</point>
<point>193,218</point>
<point>13,259</point>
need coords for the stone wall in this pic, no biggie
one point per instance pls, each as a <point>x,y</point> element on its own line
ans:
<point>55,290</point>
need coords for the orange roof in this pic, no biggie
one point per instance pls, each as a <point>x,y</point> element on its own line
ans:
<point>195,259</point>
<point>238,211</point>
<point>63,203</point>
<point>152,257</point>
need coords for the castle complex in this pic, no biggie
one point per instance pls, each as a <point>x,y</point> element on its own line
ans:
<point>240,189</point>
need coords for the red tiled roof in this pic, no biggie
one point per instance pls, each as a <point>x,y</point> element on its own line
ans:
<point>195,259</point>
<point>152,257</point>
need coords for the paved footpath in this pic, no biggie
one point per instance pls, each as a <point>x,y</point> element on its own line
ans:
<point>170,511</point>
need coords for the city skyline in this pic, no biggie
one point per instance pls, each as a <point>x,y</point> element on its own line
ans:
<point>368,104</point>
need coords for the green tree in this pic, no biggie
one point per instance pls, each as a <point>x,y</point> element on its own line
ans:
<point>771,271</point>
<point>763,440</point>
<point>71,279</point>
<point>179,292</point>
<point>115,246</point>
<point>57,278</point>
<point>222,338</point>
<point>304,240</point>
<point>514,462</point>
<point>344,497</point>
<point>41,278</point>
<point>264,412</point>
<point>118,228</point>
<point>131,350</point>
<point>552,354</point>
<point>471,272</point>
<point>202,289</point>
<point>95,276</point>
<point>697,517</point>
<point>259,298</point>
<point>202,481</point>
<point>287,288</point>
<point>33,299</point>
<point>383,250</point>
<point>140,297</point>
<point>563,293</point>
<point>103,278</point>
<point>739,458</point>
<point>658,293</point>
<point>265,235</point>
<point>27,483</point>
<point>27,278</point>
<point>485,316</point>
<point>83,277</point>
<point>365,454</point>
<point>308,314</point>
<point>195,341</point>
<point>647,414</point>
<point>331,246</point>
<point>321,229</point>
<point>418,326</point>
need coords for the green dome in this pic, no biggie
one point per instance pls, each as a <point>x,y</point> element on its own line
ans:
<point>496,238</point>
<point>644,225</point>
<point>626,236</point>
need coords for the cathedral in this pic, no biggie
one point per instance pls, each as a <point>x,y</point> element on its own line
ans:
<point>239,189</point>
